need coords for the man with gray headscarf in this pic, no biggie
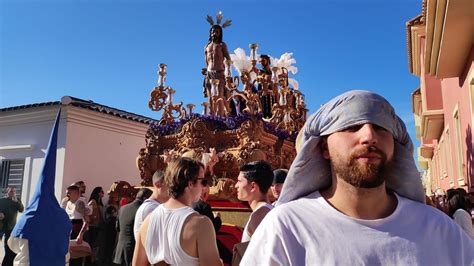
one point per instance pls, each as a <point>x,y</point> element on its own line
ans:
<point>353,195</point>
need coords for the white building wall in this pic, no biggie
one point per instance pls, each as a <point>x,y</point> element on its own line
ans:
<point>94,147</point>
<point>24,134</point>
<point>101,149</point>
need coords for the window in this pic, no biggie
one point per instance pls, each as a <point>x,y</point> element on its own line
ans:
<point>458,145</point>
<point>471,90</point>
<point>11,175</point>
<point>449,155</point>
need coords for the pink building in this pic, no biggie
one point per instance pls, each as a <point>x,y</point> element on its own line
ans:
<point>441,52</point>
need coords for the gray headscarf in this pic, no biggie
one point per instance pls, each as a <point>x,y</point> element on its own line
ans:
<point>310,171</point>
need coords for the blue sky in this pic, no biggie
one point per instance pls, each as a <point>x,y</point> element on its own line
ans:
<point>108,51</point>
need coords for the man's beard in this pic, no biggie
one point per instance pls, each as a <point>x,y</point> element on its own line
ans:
<point>360,175</point>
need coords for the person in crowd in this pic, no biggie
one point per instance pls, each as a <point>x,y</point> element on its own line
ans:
<point>82,188</point>
<point>465,195</point>
<point>203,208</point>
<point>114,200</point>
<point>10,205</point>
<point>458,210</point>
<point>174,233</point>
<point>160,195</point>
<point>440,200</point>
<point>76,209</point>
<point>353,195</point>
<point>108,237</point>
<point>126,219</point>
<point>95,220</point>
<point>449,193</point>
<point>429,202</point>
<point>279,177</point>
<point>470,197</point>
<point>253,182</point>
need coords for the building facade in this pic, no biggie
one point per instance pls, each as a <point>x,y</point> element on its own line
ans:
<point>96,144</point>
<point>441,53</point>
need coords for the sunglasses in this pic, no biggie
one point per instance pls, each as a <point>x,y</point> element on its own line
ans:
<point>204,181</point>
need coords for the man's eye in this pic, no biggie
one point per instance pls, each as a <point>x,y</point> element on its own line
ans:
<point>379,128</point>
<point>352,128</point>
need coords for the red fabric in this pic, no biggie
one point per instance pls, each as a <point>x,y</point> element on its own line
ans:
<point>229,235</point>
<point>227,204</point>
<point>123,201</point>
<point>228,241</point>
<point>232,230</point>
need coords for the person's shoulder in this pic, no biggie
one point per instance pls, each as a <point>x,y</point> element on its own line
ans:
<point>128,207</point>
<point>262,211</point>
<point>149,202</point>
<point>461,212</point>
<point>148,206</point>
<point>419,208</point>
<point>197,222</point>
<point>302,201</point>
<point>430,216</point>
<point>297,209</point>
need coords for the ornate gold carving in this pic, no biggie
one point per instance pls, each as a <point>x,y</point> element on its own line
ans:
<point>254,92</point>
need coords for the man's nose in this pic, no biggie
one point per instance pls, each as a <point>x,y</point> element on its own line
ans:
<point>368,134</point>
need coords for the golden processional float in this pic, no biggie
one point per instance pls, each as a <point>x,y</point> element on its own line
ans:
<point>254,115</point>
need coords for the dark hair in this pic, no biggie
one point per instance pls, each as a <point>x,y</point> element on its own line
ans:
<point>456,202</point>
<point>461,192</point>
<point>179,172</point>
<point>219,40</point>
<point>265,56</point>
<point>95,195</point>
<point>279,176</point>
<point>451,192</point>
<point>143,194</point>
<point>109,210</point>
<point>259,172</point>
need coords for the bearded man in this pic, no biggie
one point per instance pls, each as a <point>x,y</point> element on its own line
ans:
<point>353,196</point>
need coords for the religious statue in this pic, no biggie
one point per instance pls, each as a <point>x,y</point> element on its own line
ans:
<point>215,52</point>
<point>265,86</point>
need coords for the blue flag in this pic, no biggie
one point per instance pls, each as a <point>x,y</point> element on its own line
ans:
<point>44,224</point>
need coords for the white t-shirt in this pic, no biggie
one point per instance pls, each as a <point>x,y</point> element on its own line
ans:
<point>146,208</point>
<point>71,209</point>
<point>463,219</point>
<point>246,235</point>
<point>309,231</point>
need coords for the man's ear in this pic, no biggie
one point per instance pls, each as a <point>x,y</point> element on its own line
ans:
<point>253,186</point>
<point>324,148</point>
